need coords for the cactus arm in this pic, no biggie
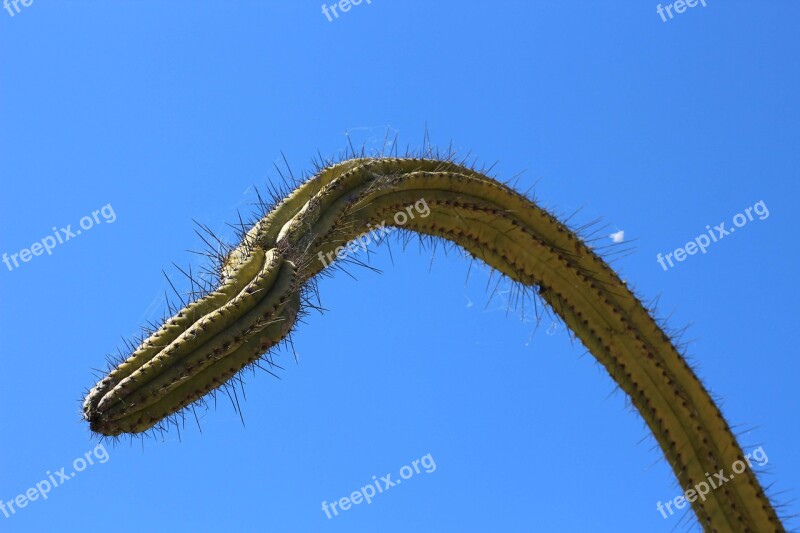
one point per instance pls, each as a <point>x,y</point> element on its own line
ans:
<point>209,341</point>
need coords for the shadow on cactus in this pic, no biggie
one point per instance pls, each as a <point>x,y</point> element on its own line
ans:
<point>267,280</point>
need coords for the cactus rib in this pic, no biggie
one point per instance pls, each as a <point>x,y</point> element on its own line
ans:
<point>258,302</point>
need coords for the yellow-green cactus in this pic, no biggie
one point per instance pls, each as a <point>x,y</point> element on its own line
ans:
<point>262,280</point>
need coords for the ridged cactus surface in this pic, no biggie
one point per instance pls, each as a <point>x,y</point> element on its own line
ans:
<point>263,284</point>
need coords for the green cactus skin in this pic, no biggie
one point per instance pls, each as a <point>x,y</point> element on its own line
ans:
<point>259,298</point>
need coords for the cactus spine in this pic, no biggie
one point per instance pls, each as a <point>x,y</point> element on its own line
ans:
<point>262,279</point>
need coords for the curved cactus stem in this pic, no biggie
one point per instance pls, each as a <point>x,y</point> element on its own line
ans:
<point>258,302</point>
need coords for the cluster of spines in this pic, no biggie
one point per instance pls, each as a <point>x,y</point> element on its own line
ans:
<point>517,271</point>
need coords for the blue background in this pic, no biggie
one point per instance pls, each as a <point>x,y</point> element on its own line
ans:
<point>171,111</point>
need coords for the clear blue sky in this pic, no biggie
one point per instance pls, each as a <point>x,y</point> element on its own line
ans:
<point>171,111</point>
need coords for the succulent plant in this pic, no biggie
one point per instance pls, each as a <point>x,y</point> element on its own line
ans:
<point>263,279</point>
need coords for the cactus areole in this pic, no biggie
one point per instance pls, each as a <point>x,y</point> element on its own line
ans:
<point>262,280</point>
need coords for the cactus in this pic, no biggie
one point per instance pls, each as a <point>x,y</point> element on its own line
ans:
<point>263,279</point>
